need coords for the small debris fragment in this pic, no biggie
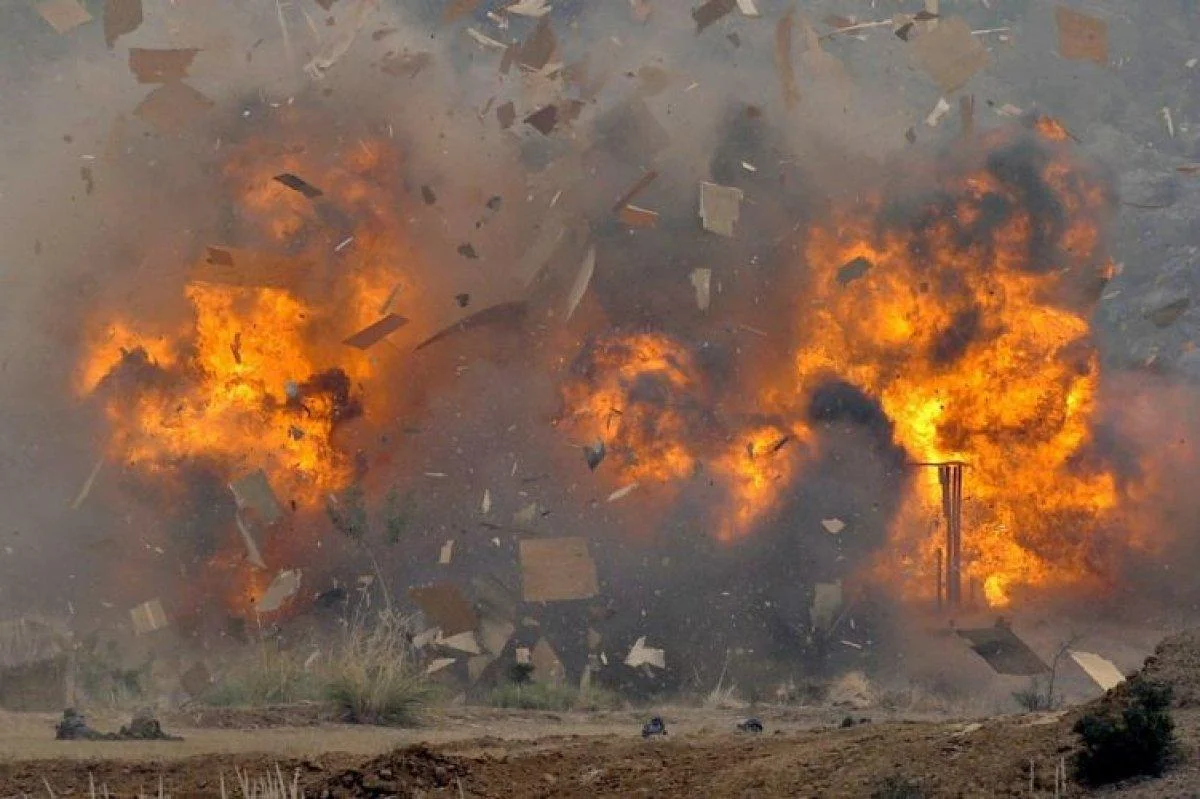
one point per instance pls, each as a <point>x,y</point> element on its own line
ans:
<point>299,184</point>
<point>750,725</point>
<point>655,726</point>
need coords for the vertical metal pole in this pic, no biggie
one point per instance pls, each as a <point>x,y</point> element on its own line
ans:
<point>939,579</point>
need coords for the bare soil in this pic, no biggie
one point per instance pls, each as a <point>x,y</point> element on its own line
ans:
<point>492,753</point>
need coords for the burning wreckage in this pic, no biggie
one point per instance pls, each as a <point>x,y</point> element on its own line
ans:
<point>615,454</point>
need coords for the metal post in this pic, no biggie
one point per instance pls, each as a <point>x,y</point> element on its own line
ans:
<point>939,578</point>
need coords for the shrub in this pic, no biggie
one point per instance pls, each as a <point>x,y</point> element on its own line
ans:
<point>272,677</point>
<point>1038,696</point>
<point>1129,734</point>
<point>374,679</point>
<point>898,787</point>
<point>547,696</point>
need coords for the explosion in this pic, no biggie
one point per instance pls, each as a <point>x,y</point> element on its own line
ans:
<point>957,314</point>
<point>643,398</point>
<point>262,376</point>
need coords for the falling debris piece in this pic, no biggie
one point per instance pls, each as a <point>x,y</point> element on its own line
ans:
<point>299,184</point>
<point>1103,672</point>
<point>446,606</point>
<point>485,40</point>
<point>849,272</point>
<point>702,281</point>
<point>506,114</point>
<point>557,569</point>
<point>446,553</point>
<point>712,11</point>
<point>1166,115</point>
<point>485,506</point>
<point>621,493</point>
<point>463,300</point>
<point>463,642</point>
<point>1081,37</point>
<point>642,655</point>
<point>253,492</point>
<point>582,279</point>
<point>438,664</point>
<point>63,15</point>
<point>594,454</point>
<point>339,44</point>
<point>547,666</point>
<point>504,313</point>
<point>219,256</point>
<point>527,515</point>
<point>1004,651</point>
<point>720,207</point>
<point>1169,313</point>
<point>966,110</point>
<point>827,601</point>
<point>120,17</point>
<point>253,554</point>
<point>86,488</point>
<point>160,66</point>
<point>372,334</point>
<point>495,634</point>
<point>529,8</point>
<point>783,60</point>
<point>173,107</point>
<point>543,120</point>
<point>938,113</point>
<point>282,588</point>
<point>467,251</point>
<point>637,217</point>
<point>950,54</point>
<point>538,48</point>
<point>637,188</point>
<point>148,617</point>
<point>833,526</point>
<point>748,8</point>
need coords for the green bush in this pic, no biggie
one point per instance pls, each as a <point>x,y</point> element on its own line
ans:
<point>1130,734</point>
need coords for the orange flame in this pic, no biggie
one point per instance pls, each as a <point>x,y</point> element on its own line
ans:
<point>953,325</point>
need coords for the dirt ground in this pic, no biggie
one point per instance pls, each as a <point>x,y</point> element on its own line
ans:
<point>480,752</point>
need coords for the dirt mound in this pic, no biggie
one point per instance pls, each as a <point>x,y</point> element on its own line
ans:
<point>1176,661</point>
<point>399,773</point>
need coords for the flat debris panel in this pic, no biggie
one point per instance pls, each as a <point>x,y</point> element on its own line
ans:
<point>556,569</point>
<point>1004,651</point>
<point>254,491</point>
<point>446,606</point>
<point>1102,671</point>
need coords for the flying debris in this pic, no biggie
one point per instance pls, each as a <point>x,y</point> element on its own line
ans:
<point>594,454</point>
<point>299,184</point>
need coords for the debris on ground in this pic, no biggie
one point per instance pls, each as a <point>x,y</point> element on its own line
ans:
<point>751,725</point>
<point>655,726</point>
